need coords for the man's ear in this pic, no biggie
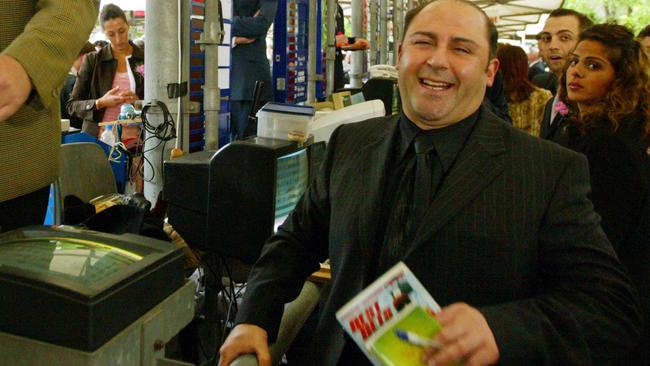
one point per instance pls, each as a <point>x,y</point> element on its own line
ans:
<point>399,56</point>
<point>491,70</point>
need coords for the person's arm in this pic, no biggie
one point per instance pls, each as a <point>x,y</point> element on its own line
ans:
<point>82,105</point>
<point>287,259</point>
<point>15,86</point>
<point>46,49</point>
<point>618,186</point>
<point>255,26</point>
<point>586,311</point>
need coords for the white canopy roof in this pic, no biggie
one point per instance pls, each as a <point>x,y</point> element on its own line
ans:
<point>125,4</point>
<point>511,16</point>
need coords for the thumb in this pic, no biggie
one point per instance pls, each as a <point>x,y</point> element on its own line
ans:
<point>263,356</point>
<point>114,90</point>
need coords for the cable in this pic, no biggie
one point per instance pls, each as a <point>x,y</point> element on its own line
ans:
<point>164,132</point>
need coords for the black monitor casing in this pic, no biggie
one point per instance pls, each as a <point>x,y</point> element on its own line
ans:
<point>78,315</point>
<point>224,201</point>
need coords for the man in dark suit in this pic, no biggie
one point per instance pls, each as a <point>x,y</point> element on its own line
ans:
<point>251,21</point>
<point>503,237</point>
<point>558,38</point>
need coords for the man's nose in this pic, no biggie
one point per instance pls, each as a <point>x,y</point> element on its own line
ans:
<point>439,58</point>
<point>554,43</point>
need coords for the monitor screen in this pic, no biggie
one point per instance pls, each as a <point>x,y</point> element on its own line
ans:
<point>292,178</point>
<point>70,259</point>
<point>85,286</point>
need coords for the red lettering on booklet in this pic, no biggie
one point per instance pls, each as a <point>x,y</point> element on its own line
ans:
<point>374,317</point>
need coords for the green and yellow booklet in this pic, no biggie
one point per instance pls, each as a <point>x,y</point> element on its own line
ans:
<point>392,319</point>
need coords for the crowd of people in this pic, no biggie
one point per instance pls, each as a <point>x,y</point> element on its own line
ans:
<point>546,196</point>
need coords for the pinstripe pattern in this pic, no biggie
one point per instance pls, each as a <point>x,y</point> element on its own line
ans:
<point>511,231</point>
<point>45,37</point>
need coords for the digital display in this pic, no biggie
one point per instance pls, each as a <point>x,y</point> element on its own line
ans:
<point>292,179</point>
<point>78,288</point>
<point>80,261</point>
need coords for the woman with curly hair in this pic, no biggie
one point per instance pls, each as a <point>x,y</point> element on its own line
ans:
<point>607,89</point>
<point>526,102</point>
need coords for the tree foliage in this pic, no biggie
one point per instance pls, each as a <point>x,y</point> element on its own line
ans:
<point>634,14</point>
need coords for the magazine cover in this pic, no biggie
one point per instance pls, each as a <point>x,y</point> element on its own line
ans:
<point>392,319</point>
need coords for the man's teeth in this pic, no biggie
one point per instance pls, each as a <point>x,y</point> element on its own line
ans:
<point>435,84</point>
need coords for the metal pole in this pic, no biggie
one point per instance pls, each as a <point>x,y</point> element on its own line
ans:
<point>162,68</point>
<point>398,17</point>
<point>372,34</point>
<point>331,45</point>
<point>383,32</point>
<point>357,31</point>
<point>311,58</point>
<point>211,94</point>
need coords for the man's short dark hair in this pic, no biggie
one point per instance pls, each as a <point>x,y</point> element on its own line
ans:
<point>111,11</point>
<point>645,32</point>
<point>492,33</point>
<point>583,20</point>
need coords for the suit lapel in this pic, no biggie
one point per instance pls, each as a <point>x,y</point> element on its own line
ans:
<point>558,121</point>
<point>477,165</point>
<point>545,128</point>
<point>374,159</point>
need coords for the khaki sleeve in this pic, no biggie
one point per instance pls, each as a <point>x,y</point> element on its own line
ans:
<point>51,41</point>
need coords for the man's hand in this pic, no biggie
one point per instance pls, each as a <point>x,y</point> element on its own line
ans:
<point>244,339</point>
<point>15,86</point>
<point>341,40</point>
<point>242,40</point>
<point>465,336</point>
<point>112,98</point>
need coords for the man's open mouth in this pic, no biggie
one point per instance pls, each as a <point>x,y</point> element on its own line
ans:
<point>435,85</point>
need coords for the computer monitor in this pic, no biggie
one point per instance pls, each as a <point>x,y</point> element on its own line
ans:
<point>232,200</point>
<point>78,288</point>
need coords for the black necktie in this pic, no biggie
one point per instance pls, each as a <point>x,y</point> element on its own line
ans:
<point>427,174</point>
<point>413,195</point>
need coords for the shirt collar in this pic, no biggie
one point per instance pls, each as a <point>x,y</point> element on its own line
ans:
<point>448,141</point>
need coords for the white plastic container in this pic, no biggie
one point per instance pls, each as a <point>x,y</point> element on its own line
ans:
<point>284,121</point>
<point>324,124</point>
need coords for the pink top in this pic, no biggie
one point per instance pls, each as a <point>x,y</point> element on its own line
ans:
<point>121,79</point>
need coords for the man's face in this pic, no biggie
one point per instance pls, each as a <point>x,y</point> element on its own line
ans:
<point>558,39</point>
<point>443,64</point>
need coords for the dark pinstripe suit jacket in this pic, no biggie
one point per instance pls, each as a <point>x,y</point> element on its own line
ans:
<point>554,132</point>
<point>511,232</point>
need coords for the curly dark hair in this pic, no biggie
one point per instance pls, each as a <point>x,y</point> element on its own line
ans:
<point>629,94</point>
<point>514,64</point>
